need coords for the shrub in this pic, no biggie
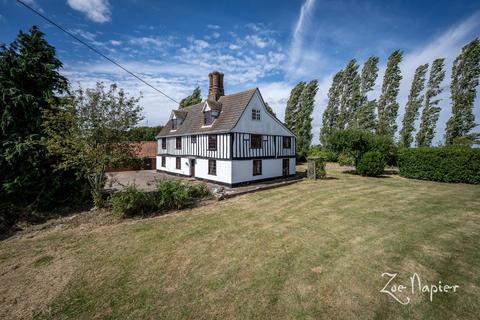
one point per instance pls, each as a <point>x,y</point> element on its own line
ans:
<point>322,152</point>
<point>372,164</point>
<point>316,166</point>
<point>344,159</point>
<point>132,201</point>
<point>169,194</point>
<point>445,164</point>
<point>356,143</point>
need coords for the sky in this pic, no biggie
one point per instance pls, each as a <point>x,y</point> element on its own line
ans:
<point>266,44</point>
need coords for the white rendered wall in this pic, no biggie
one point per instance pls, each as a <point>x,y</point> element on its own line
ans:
<point>170,165</point>
<point>242,170</point>
<point>224,170</point>
<point>267,123</point>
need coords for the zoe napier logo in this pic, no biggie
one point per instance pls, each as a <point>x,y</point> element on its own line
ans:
<point>402,292</point>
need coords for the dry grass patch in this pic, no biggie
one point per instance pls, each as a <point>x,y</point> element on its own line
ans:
<point>312,250</point>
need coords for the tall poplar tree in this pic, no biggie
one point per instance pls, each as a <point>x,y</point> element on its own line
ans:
<point>413,105</point>
<point>387,103</point>
<point>330,115</point>
<point>350,95</point>
<point>431,110</point>
<point>304,119</point>
<point>465,77</point>
<point>366,113</point>
<point>292,108</point>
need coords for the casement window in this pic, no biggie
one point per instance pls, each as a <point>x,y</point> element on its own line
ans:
<point>255,141</point>
<point>193,139</point>
<point>212,142</point>
<point>178,163</point>
<point>207,118</point>
<point>174,124</point>
<point>164,143</point>
<point>212,167</point>
<point>163,161</point>
<point>178,143</point>
<point>287,142</point>
<point>257,167</point>
<point>255,114</point>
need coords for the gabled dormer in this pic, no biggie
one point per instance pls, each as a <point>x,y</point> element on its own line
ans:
<point>177,118</point>
<point>211,111</point>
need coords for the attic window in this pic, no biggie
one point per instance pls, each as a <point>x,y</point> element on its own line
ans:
<point>255,114</point>
<point>207,118</point>
<point>175,123</point>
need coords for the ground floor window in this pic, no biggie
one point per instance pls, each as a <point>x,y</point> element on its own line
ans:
<point>212,167</point>
<point>257,167</point>
<point>178,163</point>
<point>163,162</point>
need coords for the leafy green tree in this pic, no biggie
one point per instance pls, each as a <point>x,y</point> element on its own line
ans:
<point>269,109</point>
<point>350,96</point>
<point>293,106</point>
<point>387,103</point>
<point>304,119</point>
<point>194,98</point>
<point>89,132</point>
<point>366,118</point>
<point>431,111</point>
<point>30,83</point>
<point>138,134</point>
<point>413,105</point>
<point>465,79</point>
<point>330,115</point>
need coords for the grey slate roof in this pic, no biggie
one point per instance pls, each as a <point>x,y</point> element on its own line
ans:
<point>232,107</point>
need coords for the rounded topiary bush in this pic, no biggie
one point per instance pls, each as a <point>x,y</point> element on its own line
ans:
<point>371,164</point>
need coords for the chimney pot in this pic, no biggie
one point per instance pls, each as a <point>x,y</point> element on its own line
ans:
<point>215,88</point>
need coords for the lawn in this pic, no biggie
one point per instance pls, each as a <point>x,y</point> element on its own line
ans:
<point>311,250</point>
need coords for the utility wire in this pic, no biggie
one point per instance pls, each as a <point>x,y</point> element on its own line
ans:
<point>95,50</point>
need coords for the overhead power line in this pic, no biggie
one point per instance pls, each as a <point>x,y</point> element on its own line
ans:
<point>95,50</point>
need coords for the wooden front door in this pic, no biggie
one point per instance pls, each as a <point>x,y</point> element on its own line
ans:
<point>192,167</point>
<point>286,167</point>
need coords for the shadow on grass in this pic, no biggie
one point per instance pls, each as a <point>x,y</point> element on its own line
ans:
<point>353,172</point>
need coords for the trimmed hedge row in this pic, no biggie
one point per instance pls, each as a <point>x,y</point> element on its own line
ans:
<point>445,164</point>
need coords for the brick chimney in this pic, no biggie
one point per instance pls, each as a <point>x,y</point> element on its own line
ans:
<point>215,88</point>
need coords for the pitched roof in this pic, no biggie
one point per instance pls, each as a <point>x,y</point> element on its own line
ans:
<point>232,107</point>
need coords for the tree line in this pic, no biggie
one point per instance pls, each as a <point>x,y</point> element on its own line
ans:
<point>349,106</point>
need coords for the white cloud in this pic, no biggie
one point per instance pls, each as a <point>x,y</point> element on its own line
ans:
<point>95,10</point>
<point>297,53</point>
<point>213,26</point>
<point>34,4</point>
<point>260,42</point>
<point>115,42</point>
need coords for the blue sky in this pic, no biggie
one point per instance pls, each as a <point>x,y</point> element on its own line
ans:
<point>266,44</point>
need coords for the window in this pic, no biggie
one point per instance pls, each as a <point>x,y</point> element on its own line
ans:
<point>207,118</point>
<point>257,167</point>
<point>178,143</point>
<point>164,143</point>
<point>255,114</point>
<point>178,163</point>
<point>255,141</point>
<point>287,142</point>
<point>174,124</point>
<point>212,167</point>
<point>212,142</point>
<point>163,161</point>
<point>193,139</point>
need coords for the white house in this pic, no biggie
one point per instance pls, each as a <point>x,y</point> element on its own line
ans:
<point>227,139</point>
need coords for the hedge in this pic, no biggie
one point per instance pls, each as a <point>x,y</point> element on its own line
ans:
<point>445,164</point>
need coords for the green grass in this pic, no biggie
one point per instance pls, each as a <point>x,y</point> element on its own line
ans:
<point>312,250</point>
